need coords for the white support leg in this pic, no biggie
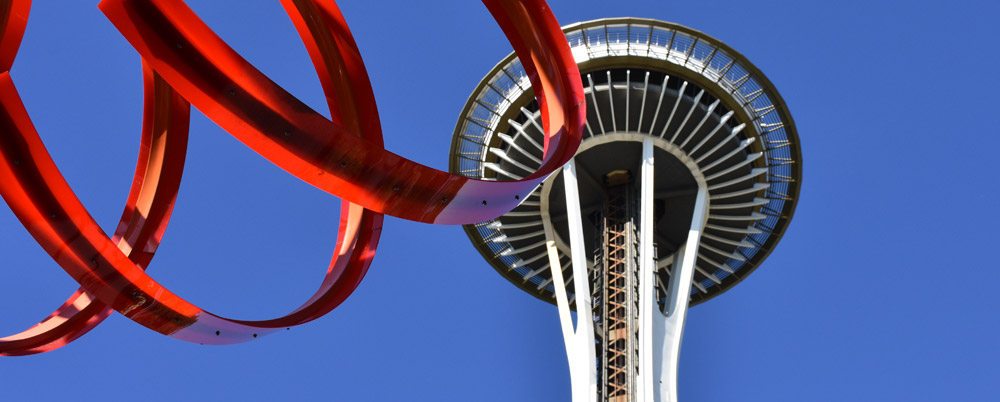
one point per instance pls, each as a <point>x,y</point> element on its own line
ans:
<point>647,264</point>
<point>580,348</point>
<point>659,331</point>
<point>668,326</point>
<point>581,282</point>
<point>562,303</point>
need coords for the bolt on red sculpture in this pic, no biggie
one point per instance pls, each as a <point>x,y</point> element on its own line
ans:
<point>185,63</point>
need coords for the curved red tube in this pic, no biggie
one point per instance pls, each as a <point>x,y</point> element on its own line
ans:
<point>343,155</point>
<point>147,210</point>
<point>240,99</point>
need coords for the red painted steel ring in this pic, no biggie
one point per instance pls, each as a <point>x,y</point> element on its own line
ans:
<point>147,210</point>
<point>344,157</point>
<point>358,232</point>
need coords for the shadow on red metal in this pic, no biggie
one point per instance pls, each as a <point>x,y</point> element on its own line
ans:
<point>184,61</point>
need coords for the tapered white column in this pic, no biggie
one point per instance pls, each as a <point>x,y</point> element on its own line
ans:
<point>580,348</point>
<point>659,331</point>
<point>668,325</point>
<point>647,264</point>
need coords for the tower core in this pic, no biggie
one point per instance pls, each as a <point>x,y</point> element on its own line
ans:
<point>686,179</point>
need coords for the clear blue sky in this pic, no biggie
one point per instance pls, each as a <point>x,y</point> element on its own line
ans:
<point>881,290</point>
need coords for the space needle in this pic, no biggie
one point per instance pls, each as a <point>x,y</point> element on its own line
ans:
<point>687,178</point>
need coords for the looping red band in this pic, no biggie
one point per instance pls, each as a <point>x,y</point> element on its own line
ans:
<point>184,61</point>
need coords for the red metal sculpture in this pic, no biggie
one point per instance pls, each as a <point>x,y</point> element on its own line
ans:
<point>185,62</point>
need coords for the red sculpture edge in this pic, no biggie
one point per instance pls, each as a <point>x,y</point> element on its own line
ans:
<point>343,156</point>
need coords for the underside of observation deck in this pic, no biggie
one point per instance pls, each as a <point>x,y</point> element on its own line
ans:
<point>698,98</point>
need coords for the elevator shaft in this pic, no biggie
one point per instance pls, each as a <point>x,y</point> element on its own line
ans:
<point>616,292</point>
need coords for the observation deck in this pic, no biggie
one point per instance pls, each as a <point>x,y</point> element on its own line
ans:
<point>685,180</point>
<point>710,111</point>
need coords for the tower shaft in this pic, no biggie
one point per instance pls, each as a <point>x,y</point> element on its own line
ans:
<point>616,289</point>
<point>626,344</point>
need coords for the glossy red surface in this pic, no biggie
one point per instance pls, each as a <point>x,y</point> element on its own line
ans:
<point>186,62</point>
<point>147,210</point>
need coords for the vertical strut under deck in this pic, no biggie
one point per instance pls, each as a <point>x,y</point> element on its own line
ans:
<point>628,351</point>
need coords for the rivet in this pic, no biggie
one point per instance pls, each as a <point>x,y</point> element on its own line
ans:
<point>484,202</point>
<point>517,197</point>
<point>177,320</point>
<point>444,200</point>
<point>52,215</point>
<point>216,333</point>
<point>232,92</point>
<point>179,46</point>
<point>395,188</point>
<point>288,134</point>
<point>254,335</point>
<point>93,261</point>
<point>343,164</point>
<point>17,161</point>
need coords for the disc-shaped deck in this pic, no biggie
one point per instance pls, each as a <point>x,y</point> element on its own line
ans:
<point>712,115</point>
